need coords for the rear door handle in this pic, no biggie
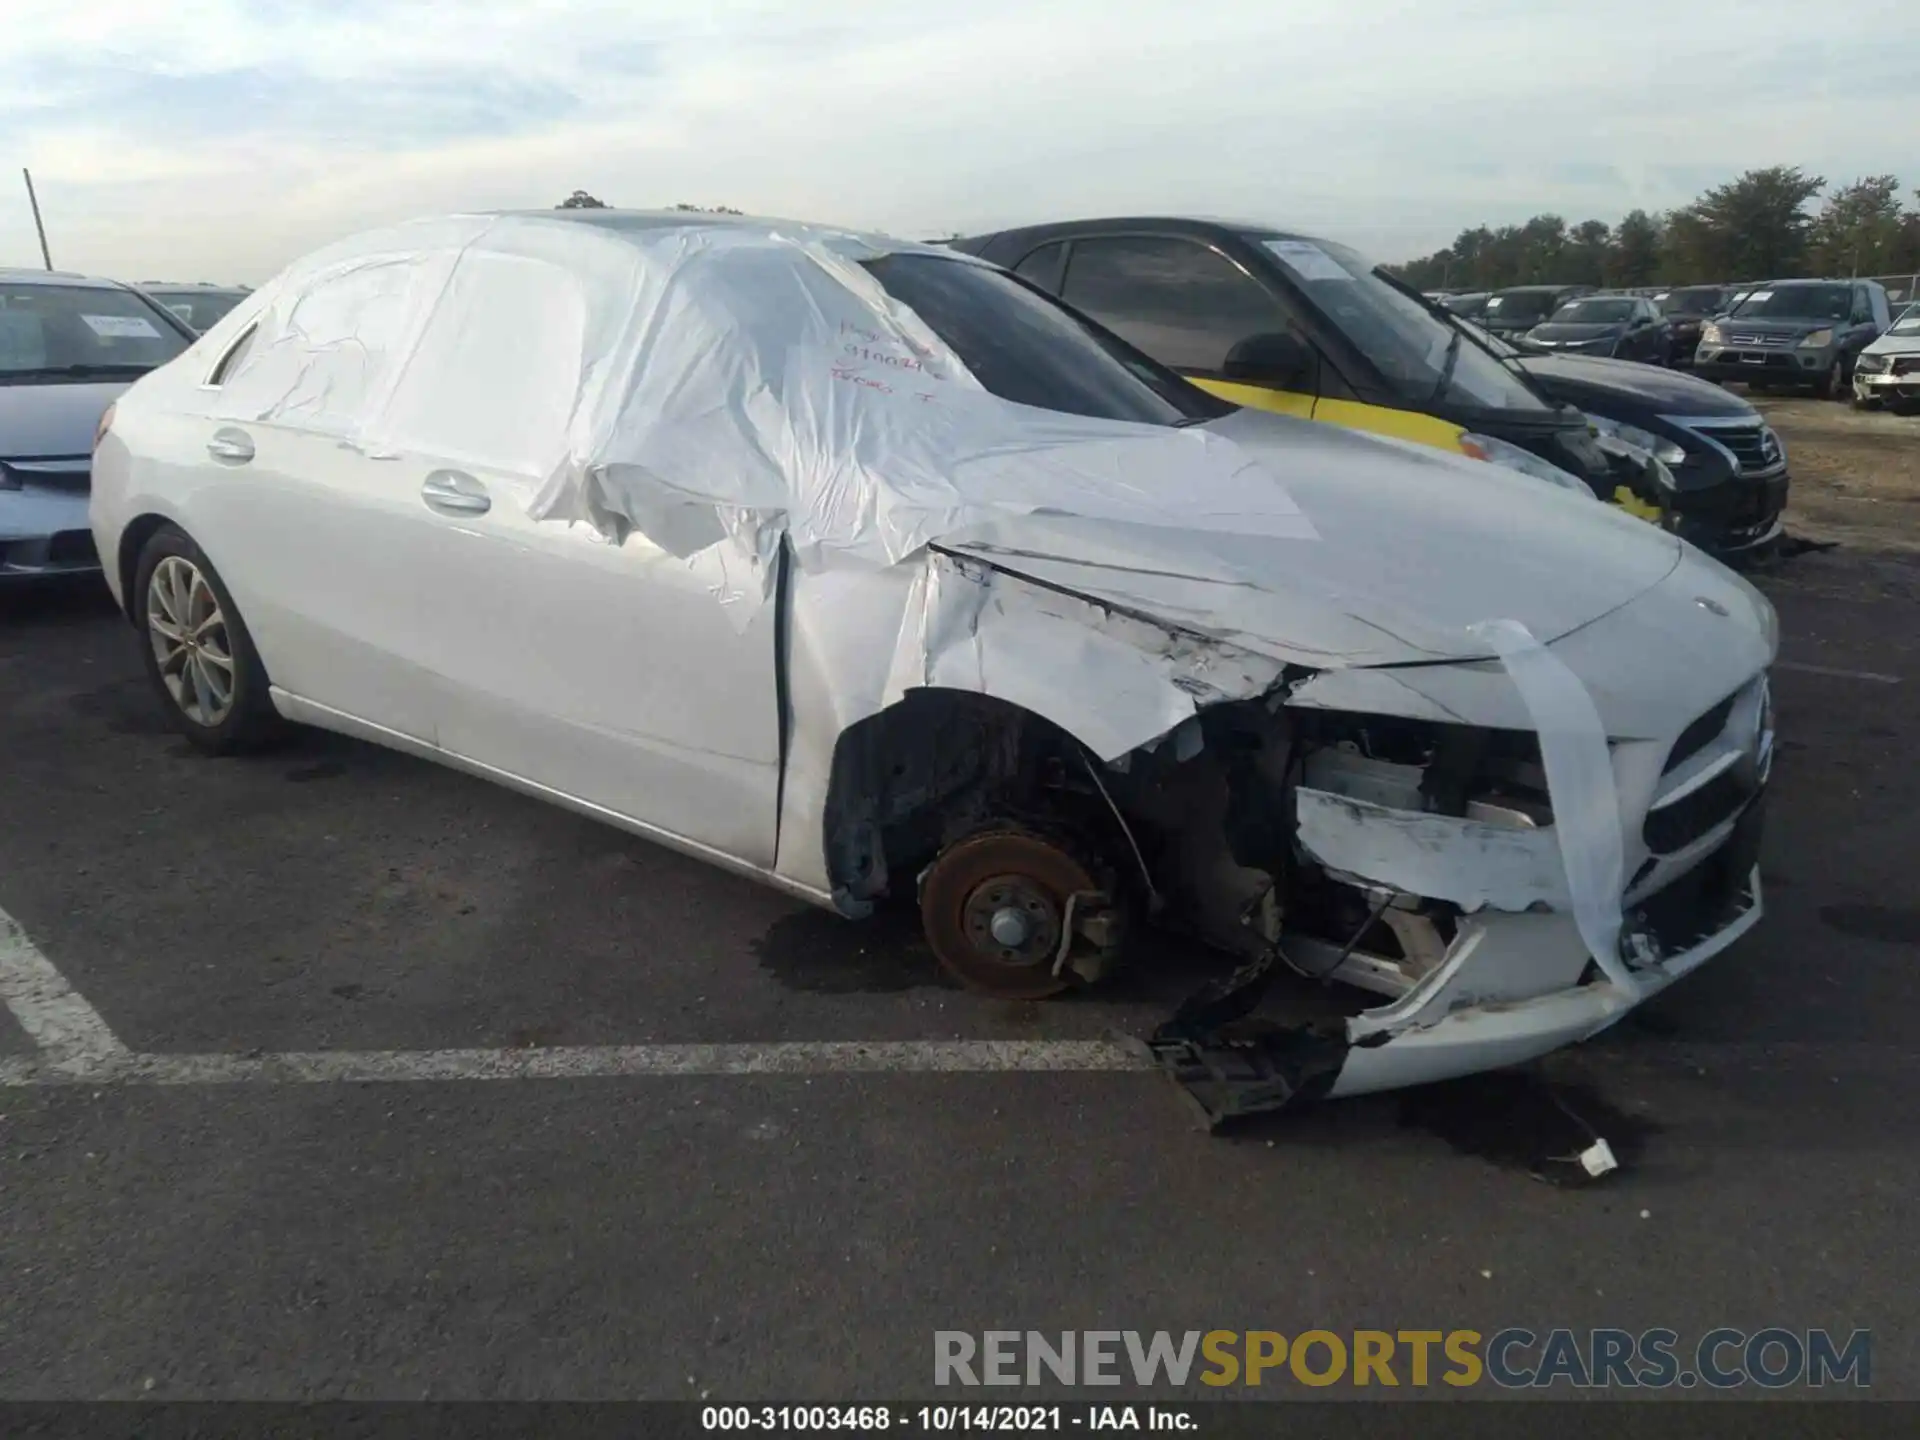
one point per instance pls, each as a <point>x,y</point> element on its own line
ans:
<point>453,492</point>
<point>231,445</point>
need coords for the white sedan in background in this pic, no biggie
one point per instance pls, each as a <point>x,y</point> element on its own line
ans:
<point>865,569</point>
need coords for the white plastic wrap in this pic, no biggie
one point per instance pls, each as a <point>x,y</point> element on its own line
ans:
<point>709,386</point>
<point>1579,766</point>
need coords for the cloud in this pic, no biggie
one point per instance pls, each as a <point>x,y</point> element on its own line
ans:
<point>218,138</point>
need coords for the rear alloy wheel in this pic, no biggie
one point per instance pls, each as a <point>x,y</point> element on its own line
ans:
<point>197,650</point>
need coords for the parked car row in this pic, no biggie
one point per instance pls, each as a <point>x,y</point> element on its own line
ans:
<point>1798,334</point>
<point>886,574</point>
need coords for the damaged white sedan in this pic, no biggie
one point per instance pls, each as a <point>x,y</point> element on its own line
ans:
<point>866,569</point>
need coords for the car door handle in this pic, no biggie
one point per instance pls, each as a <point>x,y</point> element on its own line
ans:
<point>451,492</point>
<point>233,446</point>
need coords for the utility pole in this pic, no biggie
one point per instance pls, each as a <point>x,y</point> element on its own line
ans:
<point>34,200</point>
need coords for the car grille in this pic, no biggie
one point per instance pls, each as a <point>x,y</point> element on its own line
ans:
<point>1754,446</point>
<point>1907,365</point>
<point>1760,342</point>
<point>1731,744</point>
<point>1700,734</point>
<point>1675,826</point>
<point>1709,897</point>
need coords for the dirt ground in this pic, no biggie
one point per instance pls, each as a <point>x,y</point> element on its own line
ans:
<point>1856,474</point>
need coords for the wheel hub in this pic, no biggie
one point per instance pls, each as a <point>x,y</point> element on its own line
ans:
<point>1009,919</point>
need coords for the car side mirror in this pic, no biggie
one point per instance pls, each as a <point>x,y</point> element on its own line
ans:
<point>1280,359</point>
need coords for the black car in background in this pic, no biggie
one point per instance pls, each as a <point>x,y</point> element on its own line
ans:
<point>1727,469</point>
<point>1686,309</point>
<point>1512,312</point>
<point>1795,333</point>
<point>1302,326</point>
<point>1470,303</point>
<point>1621,327</point>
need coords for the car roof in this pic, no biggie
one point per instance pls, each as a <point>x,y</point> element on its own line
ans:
<point>1211,227</point>
<point>651,221</point>
<point>21,276</point>
<point>1535,289</point>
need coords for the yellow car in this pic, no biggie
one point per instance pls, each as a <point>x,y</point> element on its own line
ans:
<point>1306,327</point>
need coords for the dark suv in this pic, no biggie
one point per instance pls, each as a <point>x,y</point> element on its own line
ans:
<point>1795,333</point>
<point>1510,313</point>
<point>1687,309</point>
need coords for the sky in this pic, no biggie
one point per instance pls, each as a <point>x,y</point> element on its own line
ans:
<point>219,139</point>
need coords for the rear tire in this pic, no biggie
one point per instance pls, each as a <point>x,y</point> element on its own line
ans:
<point>197,651</point>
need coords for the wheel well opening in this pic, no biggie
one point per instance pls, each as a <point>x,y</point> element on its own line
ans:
<point>133,540</point>
<point>929,769</point>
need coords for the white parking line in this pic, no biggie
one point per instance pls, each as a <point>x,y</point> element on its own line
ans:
<point>57,1018</point>
<point>76,1046</point>
<point>1874,675</point>
<point>588,1062</point>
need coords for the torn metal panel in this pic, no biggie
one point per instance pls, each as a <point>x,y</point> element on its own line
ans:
<point>1468,862</point>
<point>1113,681</point>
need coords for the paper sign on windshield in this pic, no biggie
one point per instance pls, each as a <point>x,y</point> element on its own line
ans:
<point>1307,260</point>
<point>121,327</point>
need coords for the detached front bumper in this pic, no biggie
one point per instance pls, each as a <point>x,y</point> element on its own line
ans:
<point>1471,928</point>
<point>1497,1033</point>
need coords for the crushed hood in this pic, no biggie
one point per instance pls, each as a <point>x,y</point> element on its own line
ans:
<point>1415,547</point>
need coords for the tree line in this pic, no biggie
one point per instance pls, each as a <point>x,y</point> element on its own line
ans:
<point>1762,225</point>
<point>581,200</point>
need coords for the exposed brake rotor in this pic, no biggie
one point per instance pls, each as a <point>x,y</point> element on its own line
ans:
<point>1017,915</point>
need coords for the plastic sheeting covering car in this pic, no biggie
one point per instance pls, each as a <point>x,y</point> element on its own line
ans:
<point>713,387</point>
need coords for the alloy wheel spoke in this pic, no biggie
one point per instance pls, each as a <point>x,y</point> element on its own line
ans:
<point>202,691</point>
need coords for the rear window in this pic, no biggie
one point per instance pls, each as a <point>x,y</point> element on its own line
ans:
<point>52,329</point>
<point>1799,302</point>
<point>1698,300</point>
<point>198,308</point>
<point>1521,305</point>
<point>1026,348</point>
<point>1594,312</point>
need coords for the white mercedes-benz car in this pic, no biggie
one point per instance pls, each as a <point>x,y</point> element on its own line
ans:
<point>866,569</point>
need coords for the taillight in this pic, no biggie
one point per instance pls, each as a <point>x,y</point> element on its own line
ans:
<point>100,430</point>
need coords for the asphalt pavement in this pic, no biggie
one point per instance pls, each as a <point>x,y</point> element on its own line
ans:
<point>803,1235</point>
